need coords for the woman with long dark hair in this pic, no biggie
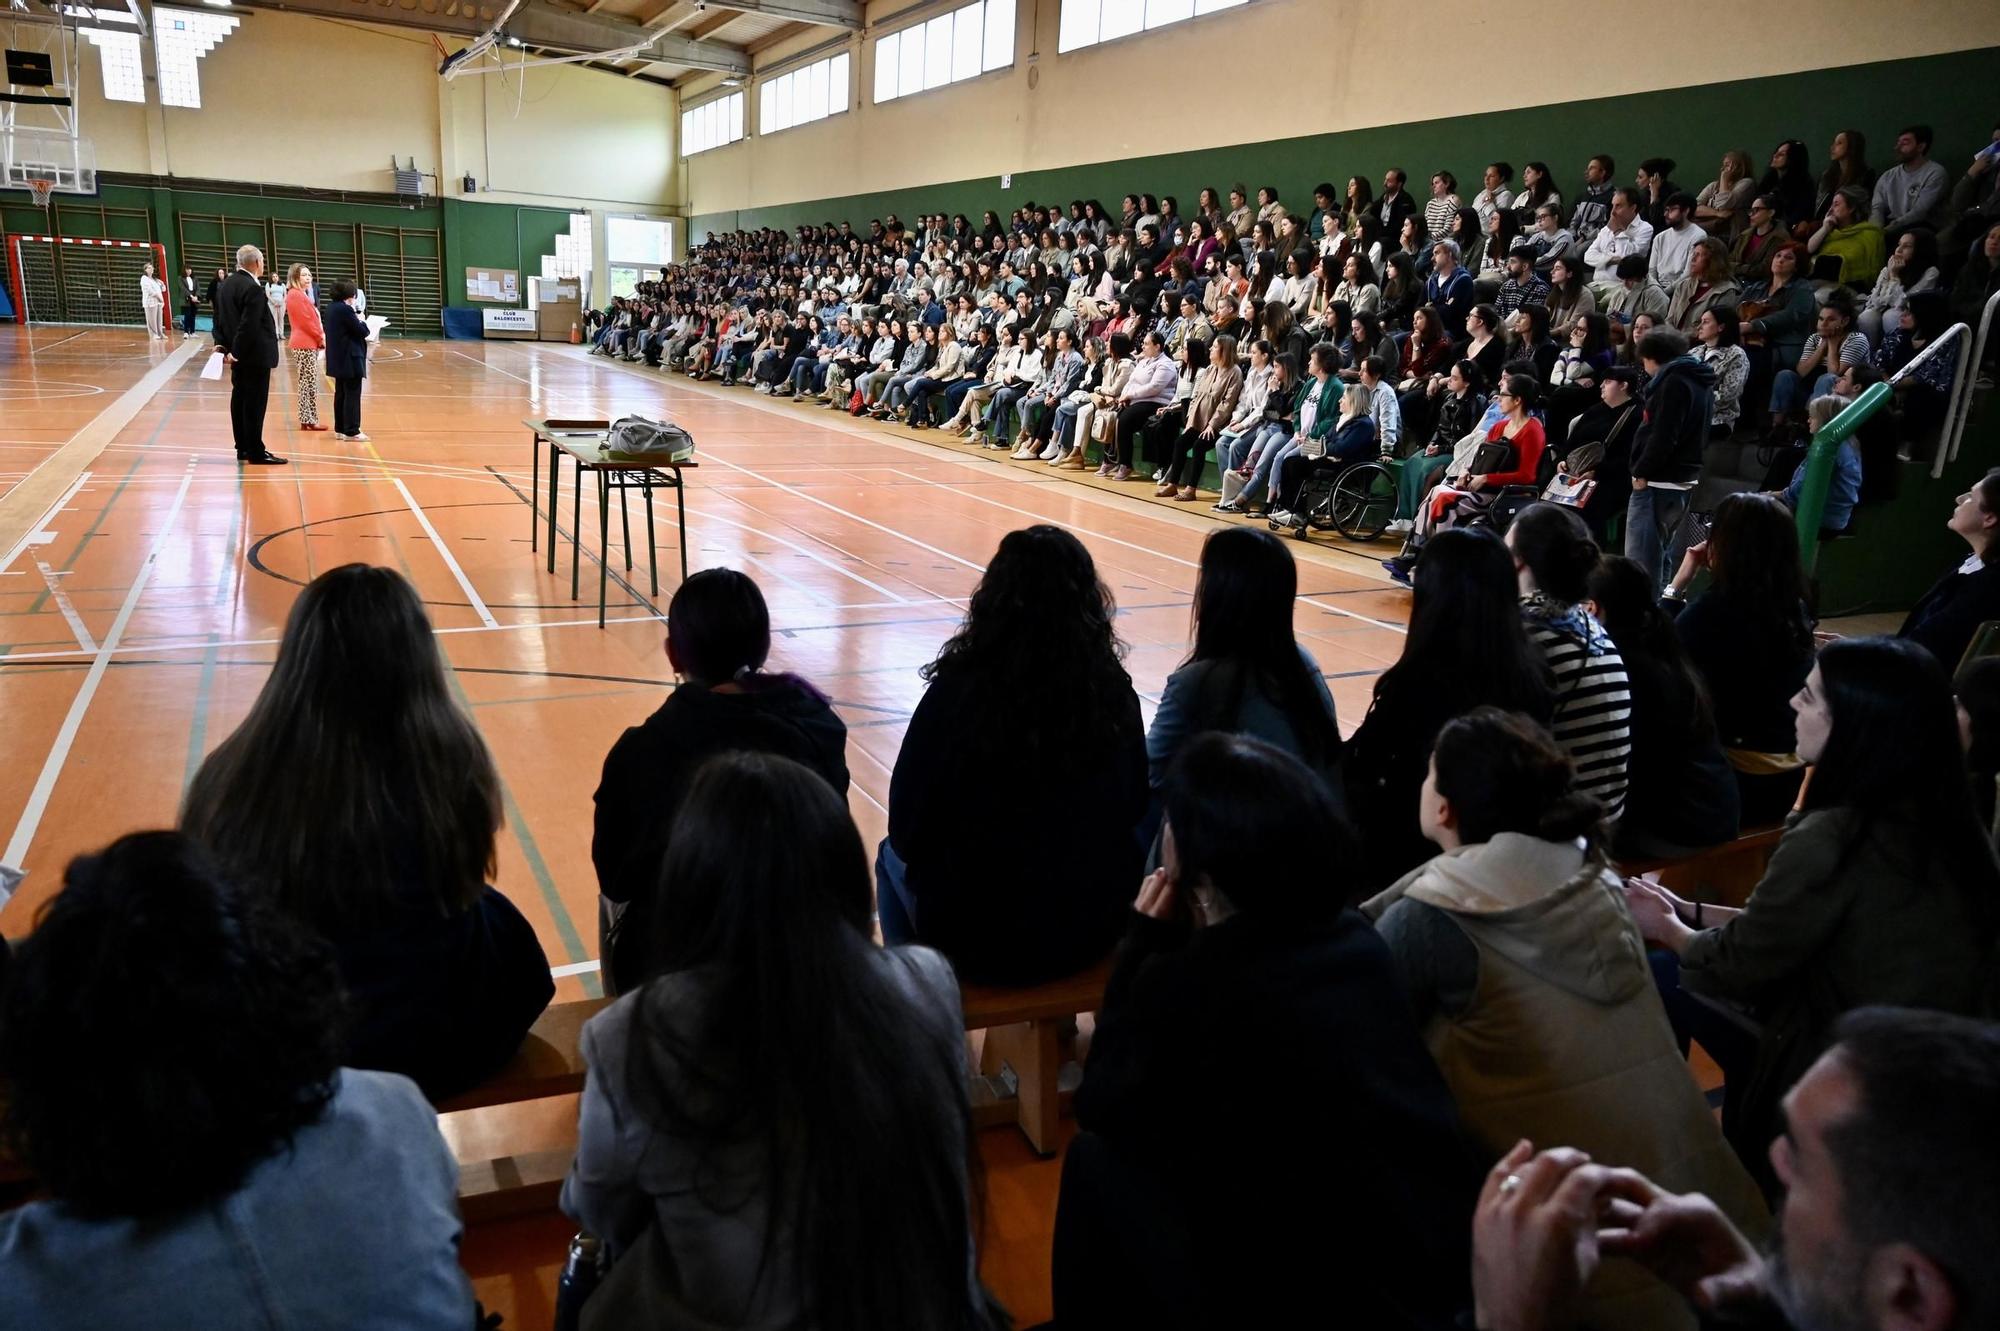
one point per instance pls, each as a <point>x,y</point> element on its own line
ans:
<point>171,1046</point>
<point>1247,673</point>
<point>1750,637</point>
<point>1885,891</point>
<point>1253,1058</point>
<point>774,1130</point>
<point>1680,794</point>
<point>1466,647</point>
<point>718,639</point>
<point>1028,698</point>
<point>360,796</point>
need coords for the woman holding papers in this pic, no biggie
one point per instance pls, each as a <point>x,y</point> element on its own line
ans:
<point>346,361</point>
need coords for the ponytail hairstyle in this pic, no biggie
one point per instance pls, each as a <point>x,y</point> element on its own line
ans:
<point>1557,549</point>
<point>1503,772</point>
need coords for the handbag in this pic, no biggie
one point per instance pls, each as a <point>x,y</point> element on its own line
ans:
<point>1489,458</point>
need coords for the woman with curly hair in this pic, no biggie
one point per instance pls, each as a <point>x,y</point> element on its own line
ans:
<point>171,1046</point>
<point>1028,702</point>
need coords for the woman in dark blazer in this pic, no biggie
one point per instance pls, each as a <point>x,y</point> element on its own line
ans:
<point>346,361</point>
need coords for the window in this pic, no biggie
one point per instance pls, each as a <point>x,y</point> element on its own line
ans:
<point>1088,22</point>
<point>118,52</point>
<point>183,37</point>
<point>712,124</point>
<point>811,92</point>
<point>962,44</point>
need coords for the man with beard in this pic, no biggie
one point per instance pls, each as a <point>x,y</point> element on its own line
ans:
<point>1888,1222</point>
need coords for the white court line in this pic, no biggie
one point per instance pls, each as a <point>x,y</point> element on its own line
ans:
<point>574,968</point>
<point>84,641</point>
<point>41,524</point>
<point>437,543</point>
<point>203,644</point>
<point>1147,549</point>
<point>485,365</point>
<point>813,555</point>
<point>45,784</point>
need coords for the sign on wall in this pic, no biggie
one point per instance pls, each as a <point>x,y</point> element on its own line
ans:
<point>508,323</point>
<point>498,285</point>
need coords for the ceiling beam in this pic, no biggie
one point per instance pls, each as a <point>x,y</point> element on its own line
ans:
<point>825,13</point>
<point>537,24</point>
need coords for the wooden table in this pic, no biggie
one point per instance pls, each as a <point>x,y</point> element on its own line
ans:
<point>582,442</point>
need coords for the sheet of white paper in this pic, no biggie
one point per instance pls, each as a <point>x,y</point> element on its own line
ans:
<point>376,323</point>
<point>213,369</point>
<point>10,878</point>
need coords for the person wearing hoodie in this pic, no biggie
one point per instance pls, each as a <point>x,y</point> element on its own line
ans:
<point>718,636</point>
<point>1677,401</point>
<point>1530,984</point>
<point>1553,559</point>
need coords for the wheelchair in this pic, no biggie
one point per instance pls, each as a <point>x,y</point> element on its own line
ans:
<point>1357,500</point>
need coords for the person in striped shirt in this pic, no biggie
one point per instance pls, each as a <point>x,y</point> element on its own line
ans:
<point>1553,557</point>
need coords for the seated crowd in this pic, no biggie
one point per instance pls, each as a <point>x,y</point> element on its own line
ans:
<point>1388,1039</point>
<point>1281,342</point>
<point>221,1044</point>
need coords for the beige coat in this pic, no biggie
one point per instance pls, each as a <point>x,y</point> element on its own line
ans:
<point>1214,397</point>
<point>1565,1041</point>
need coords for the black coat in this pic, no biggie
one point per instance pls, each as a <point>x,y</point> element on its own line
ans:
<point>1026,897</point>
<point>1673,430</point>
<point>346,342</point>
<point>443,999</point>
<point>243,323</point>
<point>1952,611</point>
<point>1265,1140</point>
<point>647,773</point>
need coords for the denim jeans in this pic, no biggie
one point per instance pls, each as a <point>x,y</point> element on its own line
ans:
<point>1788,392</point>
<point>1274,446</point>
<point>1651,516</point>
<point>892,898</point>
<point>1005,402</point>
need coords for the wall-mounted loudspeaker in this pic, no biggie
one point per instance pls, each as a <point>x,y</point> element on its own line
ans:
<point>471,185</point>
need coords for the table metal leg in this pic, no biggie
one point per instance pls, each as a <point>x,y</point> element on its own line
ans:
<point>681,519</point>
<point>652,548</point>
<point>603,538</point>
<point>555,490</point>
<point>576,533</point>
<point>625,517</point>
<point>534,490</point>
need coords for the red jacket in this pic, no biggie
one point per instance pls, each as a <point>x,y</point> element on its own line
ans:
<point>1528,446</point>
<point>303,315</point>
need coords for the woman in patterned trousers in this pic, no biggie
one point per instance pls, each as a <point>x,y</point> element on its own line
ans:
<point>308,339</point>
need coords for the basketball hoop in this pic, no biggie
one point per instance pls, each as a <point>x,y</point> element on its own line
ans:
<point>42,191</point>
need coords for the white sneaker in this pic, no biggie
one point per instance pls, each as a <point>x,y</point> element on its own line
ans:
<point>1023,453</point>
<point>1400,527</point>
<point>1051,453</point>
<point>357,438</point>
<point>1159,476</point>
<point>1282,516</point>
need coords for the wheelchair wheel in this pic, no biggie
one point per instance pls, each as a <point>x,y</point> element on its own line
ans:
<point>1363,501</point>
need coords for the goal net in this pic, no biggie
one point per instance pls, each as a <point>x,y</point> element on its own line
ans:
<point>73,280</point>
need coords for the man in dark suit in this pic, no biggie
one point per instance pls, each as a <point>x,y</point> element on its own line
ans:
<point>245,330</point>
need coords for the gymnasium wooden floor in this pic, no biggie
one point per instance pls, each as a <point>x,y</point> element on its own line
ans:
<point>140,609</point>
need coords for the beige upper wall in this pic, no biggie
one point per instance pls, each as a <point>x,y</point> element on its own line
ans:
<point>1341,64</point>
<point>294,100</point>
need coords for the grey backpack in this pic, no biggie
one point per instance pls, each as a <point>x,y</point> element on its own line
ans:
<point>635,436</point>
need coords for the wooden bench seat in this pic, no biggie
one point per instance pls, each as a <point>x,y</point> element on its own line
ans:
<point>1723,875</point>
<point>1022,1075</point>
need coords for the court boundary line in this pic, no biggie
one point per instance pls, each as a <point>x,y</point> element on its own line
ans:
<point>59,751</point>
<point>450,560</point>
<point>60,469</point>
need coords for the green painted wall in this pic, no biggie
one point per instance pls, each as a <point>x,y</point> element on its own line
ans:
<point>471,235</point>
<point>1953,93</point>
